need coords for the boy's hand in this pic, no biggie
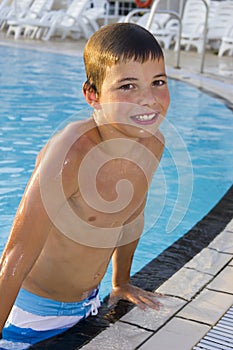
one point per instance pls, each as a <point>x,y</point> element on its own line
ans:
<point>135,295</point>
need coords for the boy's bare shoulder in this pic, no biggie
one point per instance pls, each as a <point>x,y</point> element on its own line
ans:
<point>61,157</point>
<point>73,132</point>
<point>67,141</point>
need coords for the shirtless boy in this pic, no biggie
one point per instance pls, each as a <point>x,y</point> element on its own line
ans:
<point>85,201</point>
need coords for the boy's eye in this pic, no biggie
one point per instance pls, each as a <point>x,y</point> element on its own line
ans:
<point>159,82</point>
<point>126,87</point>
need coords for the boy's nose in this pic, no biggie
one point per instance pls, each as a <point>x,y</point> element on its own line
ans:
<point>147,98</point>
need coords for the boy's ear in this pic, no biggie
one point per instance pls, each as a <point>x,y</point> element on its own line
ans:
<point>91,96</point>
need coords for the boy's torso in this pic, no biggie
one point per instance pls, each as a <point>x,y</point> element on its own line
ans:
<point>69,267</point>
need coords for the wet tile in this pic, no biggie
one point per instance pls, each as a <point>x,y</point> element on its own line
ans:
<point>119,336</point>
<point>223,242</point>
<point>208,307</point>
<point>224,281</point>
<point>209,261</point>
<point>178,334</point>
<point>185,283</point>
<point>151,319</point>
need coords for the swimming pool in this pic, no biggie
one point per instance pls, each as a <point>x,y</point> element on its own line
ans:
<point>41,92</point>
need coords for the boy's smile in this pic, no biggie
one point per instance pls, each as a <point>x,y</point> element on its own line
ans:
<point>145,119</point>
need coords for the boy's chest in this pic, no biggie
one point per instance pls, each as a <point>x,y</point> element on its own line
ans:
<point>121,179</point>
<point>112,193</point>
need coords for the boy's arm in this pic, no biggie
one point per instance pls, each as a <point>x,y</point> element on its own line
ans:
<point>123,255</point>
<point>122,261</point>
<point>32,223</point>
<point>27,238</point>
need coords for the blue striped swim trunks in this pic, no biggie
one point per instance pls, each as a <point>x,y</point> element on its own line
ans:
<point>34,318</point>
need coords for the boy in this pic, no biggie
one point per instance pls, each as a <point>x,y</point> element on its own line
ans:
<point>85,200</point>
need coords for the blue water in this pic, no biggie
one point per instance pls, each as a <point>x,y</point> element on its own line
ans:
<point>41,92</point>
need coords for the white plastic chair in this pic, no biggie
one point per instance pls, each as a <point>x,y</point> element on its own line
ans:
<point>79,19</point>
<point>35,11</point>
<point>227,42</point>
<point>14,11</point>
<point>62,23</point>
<point>5,8</point>
<point>164,28</point>
<point>193,25</point>
<point>220,23</point>
<point>213,5</point>
<point>99,10</point>
<point>166,35</point>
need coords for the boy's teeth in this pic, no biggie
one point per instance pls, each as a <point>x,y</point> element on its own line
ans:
<point>144,117</point>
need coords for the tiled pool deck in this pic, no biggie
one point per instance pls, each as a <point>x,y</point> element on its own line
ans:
<point>199,293</point>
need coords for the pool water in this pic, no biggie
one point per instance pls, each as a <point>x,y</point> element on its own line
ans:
<point>41,92</point>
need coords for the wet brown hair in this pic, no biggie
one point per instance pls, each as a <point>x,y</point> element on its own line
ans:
<point>115,43</point>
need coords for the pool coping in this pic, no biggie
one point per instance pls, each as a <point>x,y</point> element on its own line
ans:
<point>220,89</point>
<point>137,329</point>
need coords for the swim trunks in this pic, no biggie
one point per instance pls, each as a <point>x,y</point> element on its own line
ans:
<point>34,318</point>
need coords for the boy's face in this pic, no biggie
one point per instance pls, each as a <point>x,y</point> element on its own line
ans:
<point>134,97</point>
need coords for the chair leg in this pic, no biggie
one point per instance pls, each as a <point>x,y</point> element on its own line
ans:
<point>15,30</point>
<point>33,33</point>
<point>166,40</point>
<point>221,49</point>
<point>225,46</point>
<point>40,32</point>
<point>49,32</point>
<point>29,32</point>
